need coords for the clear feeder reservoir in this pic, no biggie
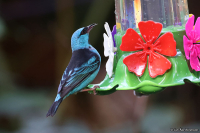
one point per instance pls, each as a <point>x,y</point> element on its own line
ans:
<point>171,13</point>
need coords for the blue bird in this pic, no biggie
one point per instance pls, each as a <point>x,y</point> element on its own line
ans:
<point>81,70</point>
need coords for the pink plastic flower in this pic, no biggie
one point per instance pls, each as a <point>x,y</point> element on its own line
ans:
<point>191,45</point>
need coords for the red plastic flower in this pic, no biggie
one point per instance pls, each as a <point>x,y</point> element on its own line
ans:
<point>165,45</point>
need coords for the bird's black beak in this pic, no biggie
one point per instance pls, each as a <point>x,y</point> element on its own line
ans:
<point>89,28</point>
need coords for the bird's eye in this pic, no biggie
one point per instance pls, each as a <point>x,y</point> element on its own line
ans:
<point>84,31</point>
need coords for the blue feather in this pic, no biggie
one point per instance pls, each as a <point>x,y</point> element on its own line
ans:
<point>57,98</point>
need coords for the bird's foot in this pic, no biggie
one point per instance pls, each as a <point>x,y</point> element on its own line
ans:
<point>91,89</point>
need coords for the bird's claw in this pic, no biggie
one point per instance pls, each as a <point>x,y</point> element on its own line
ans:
<point>91,89</point>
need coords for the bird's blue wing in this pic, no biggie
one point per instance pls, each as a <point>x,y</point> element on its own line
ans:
<point>76,76</point>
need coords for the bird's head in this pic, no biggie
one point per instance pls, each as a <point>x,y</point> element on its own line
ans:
<point>80,38</point>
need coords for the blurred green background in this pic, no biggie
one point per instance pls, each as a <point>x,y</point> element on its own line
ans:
<point>35,49</point>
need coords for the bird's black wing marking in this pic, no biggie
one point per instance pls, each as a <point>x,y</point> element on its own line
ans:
<point>78,75</point>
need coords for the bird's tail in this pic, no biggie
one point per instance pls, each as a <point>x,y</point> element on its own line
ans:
<point>54,107</point>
